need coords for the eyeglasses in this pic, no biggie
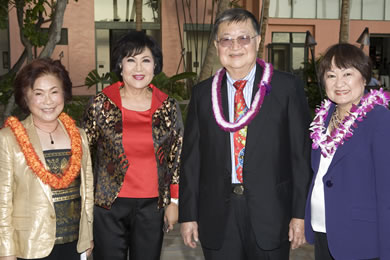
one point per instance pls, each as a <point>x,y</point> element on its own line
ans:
<point>242,40</point>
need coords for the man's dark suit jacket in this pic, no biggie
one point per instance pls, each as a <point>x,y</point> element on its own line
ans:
<point>276,168</point>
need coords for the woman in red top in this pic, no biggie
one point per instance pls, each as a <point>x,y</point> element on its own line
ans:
<point>135,132</point>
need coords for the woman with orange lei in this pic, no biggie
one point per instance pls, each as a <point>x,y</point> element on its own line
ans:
<point>46,181</point>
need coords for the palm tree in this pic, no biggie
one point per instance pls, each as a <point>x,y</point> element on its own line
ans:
<point>264,23</point>
<point>138,15</point>
<point>211,53</point>
<point>344,21</point>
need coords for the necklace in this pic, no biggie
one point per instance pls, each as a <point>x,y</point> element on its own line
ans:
<point>338,135</point>
<point>335,120</point>
<point>35,164</point>
<point>264,89</point>
<point>51,138</point>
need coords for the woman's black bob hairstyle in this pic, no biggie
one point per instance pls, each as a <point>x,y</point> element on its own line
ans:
<point>345,55</point>
<point>134,43</point>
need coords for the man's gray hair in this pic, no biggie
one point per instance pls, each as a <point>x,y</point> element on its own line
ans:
<point>235,15</point>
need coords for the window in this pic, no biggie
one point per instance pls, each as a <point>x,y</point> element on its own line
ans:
<point>280,37</point>
<point>356,9</point>
<point>304,9</point>
<point>124,10</point>
<point>373,9</point>
<point>328,9</point>
<point>287,51</point>
<point>280,8</point>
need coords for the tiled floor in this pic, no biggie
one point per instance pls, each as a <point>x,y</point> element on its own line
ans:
<point>174,249</point>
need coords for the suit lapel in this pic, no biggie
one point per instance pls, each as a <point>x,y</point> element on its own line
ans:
<point>225,108</point>
<point>36,143</point>
<point>316,154</point>
<point>256,127</point>
<point>258,75</point>
<point>340,152</point>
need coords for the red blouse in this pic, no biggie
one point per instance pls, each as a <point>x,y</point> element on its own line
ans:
<point>141,179</point>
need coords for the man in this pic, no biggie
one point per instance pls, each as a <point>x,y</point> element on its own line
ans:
<point>244,180</point>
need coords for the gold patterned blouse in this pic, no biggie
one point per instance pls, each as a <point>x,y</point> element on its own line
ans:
<point>67,202</point>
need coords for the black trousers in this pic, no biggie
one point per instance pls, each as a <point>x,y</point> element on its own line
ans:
<point>239,241</point>
<point>131,226</point>
<point>67,251</point>
<point>321,249</point>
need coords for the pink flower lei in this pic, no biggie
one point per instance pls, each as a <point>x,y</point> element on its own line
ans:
<point>264,89</point>
<point>329,143</point>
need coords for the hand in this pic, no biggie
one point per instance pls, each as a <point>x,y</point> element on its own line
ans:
<point>296,233</point>
<point>189,231</point>
<point>8,257</point>
<point>89,250</point>
<point>171,215</point>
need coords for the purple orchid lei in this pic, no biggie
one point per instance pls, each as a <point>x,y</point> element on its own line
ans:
<point>264,89</point>
<point>330,143</point>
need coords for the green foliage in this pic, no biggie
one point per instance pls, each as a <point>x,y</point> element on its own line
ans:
<point>6,89</point>
<point>152,4</point>
<point>235,4</point>
<point>93,78</point>
<point>76,108</point>
<point>311,85</point>
<point>3,14</point>
<point>34,12</point>
<point>174,86</point>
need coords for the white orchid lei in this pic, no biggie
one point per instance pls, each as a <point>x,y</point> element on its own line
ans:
<point>329,143</point>
<point>264,89</point>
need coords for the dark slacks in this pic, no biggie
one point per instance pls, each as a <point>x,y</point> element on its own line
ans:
<point>239,241</point>
<point>67,251</point>
<point>131,226</point>
<point>321,249</point>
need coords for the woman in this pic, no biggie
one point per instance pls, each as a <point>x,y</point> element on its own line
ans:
<point>347,211</point>
<point>135,131</point>
<point>46,181</point>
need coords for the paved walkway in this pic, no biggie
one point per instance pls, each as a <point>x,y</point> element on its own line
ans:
<point>174,249</point>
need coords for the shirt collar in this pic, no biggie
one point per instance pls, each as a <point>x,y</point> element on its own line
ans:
<point>249,78</point>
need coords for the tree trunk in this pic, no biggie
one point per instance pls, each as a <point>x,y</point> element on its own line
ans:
<point>20,5</point>
<point>53,39</point>
<point>211,52</point>
<point>138,15</point>
<point>115,10</point>
<point>344,21</point>
<point>264,24</point>
<point>55,29</point>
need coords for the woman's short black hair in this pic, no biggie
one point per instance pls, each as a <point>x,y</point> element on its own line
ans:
<point>134,43</point>
<point>345,55</point>
<point>27,76</point>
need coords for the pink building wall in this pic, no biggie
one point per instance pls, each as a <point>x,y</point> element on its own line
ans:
<point>80,58</point>
<point>171,46</point>
<point>325,32</point>
<point>79,54</point>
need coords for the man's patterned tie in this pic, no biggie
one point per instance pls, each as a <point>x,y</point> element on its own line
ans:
<point>239,136</point>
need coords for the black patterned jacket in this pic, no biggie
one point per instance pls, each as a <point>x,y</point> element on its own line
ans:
<point>103,126</point>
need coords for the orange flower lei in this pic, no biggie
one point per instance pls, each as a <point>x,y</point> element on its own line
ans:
<point>33,161</point>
